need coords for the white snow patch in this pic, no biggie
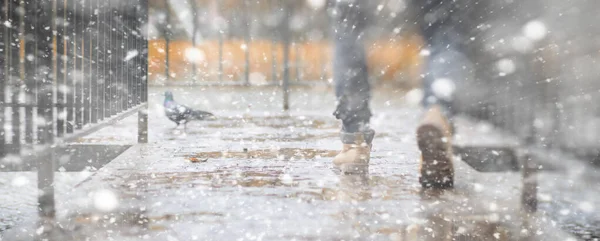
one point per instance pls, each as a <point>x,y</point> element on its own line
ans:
<point>414,96</point>
<point>316,4</point>
<point>586,207</point>
<point>131,54</point>
<point>506,66</point>
<point>105,200</point>
<point>286,179</point>
<point>522,44</point>
<point>20,181</point>
<point>425,52</point>
<point>195,55</point>
<point>443,88</point>
<point>535,30</point>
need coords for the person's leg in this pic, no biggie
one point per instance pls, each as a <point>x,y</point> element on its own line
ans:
<point>445,66</point>
<point>441,24</point>
<point>351,85</point>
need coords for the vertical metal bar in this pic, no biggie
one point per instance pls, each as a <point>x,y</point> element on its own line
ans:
<point>125,63</point>
<point>3,76</point>
<point>132,70</point>
<point>14,73</point>
<point>297,61</point>
<point>114,61</point>
<point>44,77</point>
<point>273,48</point>
<point>143,80</point>
<point>93,46</point>
<point>78,71</point>
<point>85,63</point>
<point>121,56</point>
<point>70,64</point>
<point>110,66</point>
<point>220,56</point>
<point>167,36</point>
<point>135,61</point>
<point>323,67</point>
<point>117,59</point>
<point>128,60</point>
<point>129,55</point>
<point>194,7</point>
<point>248,21</point>
<point>286,55</point>
<point>274,60</point>
<point>29,73</point>
<point>139,61</point>
<point>61,69</point>
<point>120,62</point>
<point>529,188</point>
<point>107,58</point>
<point>100,55</point>
<point>44,57</point>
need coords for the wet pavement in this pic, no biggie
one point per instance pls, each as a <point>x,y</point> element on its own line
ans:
<point>258,173</point>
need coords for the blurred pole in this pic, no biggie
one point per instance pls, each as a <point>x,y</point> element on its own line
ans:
<point>529,170</point>
<point>142,79</point>
<point>286,55</point>
<point>29,73</point>
<point>194,7</point>
<point>45,12</point>
<point>85,62</point>
<point>323,67</point>
<point>3,78</point>
<point>248,23</point>
<point>220,39</point>
<point>220,56</point>
<point>60,67</point>
<point>78,70</point>
<point>121,53</point>
<point>101,58</point>
<point>13,58</point>
<point>108,33</point>
<point>297,60</point>
<point>274,61</point>
<point>273,48</point>
<point>530,185</point>
<point>70,62</point>
<point>167,35</point>
<point>114,57</point>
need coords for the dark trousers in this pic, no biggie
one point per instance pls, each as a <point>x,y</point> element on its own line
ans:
<point>440,28</point>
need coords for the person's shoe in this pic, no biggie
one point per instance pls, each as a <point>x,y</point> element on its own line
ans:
<point>434,140</point>
<point>356,153</point>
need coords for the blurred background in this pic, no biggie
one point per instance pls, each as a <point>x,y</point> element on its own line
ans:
<point>240,34</point>
<point>532,65</point>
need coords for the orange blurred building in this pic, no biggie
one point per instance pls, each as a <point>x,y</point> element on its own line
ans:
<point>393,60</point>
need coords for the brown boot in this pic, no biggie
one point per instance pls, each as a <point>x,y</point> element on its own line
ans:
<point>356,153</point>
<point>434,139</point>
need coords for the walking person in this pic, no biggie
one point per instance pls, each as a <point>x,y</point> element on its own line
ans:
<point>443,40</point>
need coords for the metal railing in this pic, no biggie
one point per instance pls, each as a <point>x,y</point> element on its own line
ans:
<point>68,68</point>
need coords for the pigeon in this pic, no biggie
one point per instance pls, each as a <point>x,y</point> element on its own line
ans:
<point>181,114</point>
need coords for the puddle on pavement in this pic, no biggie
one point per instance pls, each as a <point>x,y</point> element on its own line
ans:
<point>279,154</point>
<point>282,137</point>
<point>277,122</point>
